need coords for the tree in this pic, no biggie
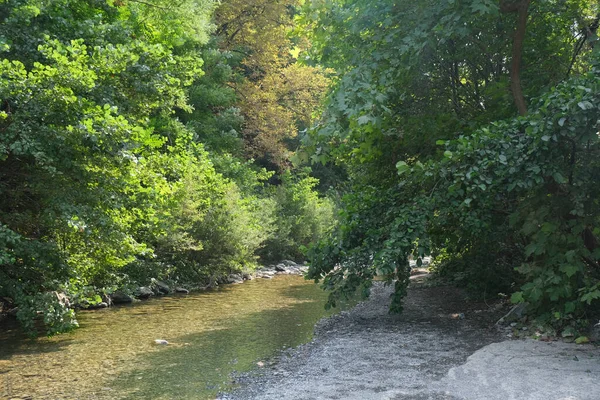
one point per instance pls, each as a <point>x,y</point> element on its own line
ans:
<point>521,8</point>
<point>423,118</point>
<point>276,94</point>
<point>86,168</point>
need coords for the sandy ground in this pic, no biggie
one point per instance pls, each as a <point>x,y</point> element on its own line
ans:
<point>440,347</point>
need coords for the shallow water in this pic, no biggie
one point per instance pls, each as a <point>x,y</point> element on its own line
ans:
<point>211,334</point>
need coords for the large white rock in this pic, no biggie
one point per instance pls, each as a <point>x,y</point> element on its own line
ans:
<point>527,370</point>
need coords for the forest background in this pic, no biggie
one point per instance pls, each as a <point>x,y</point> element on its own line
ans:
<point>149,140</point>
<point>184,140</point>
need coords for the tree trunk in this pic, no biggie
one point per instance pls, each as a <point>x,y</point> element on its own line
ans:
<point>521,8</point>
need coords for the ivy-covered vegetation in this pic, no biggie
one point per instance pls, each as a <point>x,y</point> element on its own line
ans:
<point>127,136</point>
<point>469,131</point>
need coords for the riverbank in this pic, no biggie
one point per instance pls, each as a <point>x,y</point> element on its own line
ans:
<point>158,288</point>
<point>440,347</point>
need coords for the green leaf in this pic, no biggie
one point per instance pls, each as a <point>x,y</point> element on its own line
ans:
<point>546,138</point>
<point>364,120</point>
<point>517,297</point>
<point>585,105</point>
<point>559,178</point>
<point>582,340</point>
<point>591,296</point>
<point>402,167</point>
<point>569,331</point>
<point>569,269</point>
<point>570,307</point>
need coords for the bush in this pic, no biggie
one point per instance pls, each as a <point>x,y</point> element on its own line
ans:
<point>301,217</point>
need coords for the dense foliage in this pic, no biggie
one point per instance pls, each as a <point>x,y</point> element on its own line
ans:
<point>145,140</point>
<point>122,157</point>
<point>424,118</point>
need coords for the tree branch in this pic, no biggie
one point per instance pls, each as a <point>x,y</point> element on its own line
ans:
<point>586,33</point>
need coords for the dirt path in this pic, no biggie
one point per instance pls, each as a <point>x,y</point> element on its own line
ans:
<point>430,351</point>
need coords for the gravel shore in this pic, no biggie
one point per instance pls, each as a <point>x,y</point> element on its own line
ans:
<point>440,347</point>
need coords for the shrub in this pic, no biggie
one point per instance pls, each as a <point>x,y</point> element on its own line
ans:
<point>301,217</point>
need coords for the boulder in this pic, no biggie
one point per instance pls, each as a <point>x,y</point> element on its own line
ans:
<point>235,279</point>
<point>179,289</point>
<point>120,297</point>
<point>247,276</point>
<point>212,282</point>
<point>289,263</point>
<point>159,287</point>
<point>97,306</point>
<point>143,292</point>
<point>265,273</point>
<point>281,267</point>
<point>107,299</point>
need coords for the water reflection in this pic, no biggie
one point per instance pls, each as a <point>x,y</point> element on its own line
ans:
<point>211,334</point>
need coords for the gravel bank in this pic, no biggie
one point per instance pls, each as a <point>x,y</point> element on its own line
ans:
<point>367,353</point>
<point>440,347</point>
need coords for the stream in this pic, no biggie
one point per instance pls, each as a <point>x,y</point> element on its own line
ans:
<point>211,334</point>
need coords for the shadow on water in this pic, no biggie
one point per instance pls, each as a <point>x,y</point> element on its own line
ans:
<point>13,341</point>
